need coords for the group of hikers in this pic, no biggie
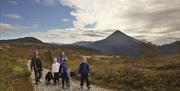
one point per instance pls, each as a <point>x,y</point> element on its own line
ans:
<point>60,69</point>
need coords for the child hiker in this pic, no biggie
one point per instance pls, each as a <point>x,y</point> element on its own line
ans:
<point>64,74</point>
<point>55,71</point>
<point>84,72</point>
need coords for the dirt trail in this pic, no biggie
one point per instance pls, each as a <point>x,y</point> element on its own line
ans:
<point>74,84</point>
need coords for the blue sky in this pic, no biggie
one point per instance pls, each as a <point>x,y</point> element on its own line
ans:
<point>33,13</point>
<point>68,21</point>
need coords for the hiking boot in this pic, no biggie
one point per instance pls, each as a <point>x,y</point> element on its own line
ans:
<point>36,83</point>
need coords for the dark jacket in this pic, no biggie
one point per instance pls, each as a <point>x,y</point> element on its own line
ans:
<point>36,64</point>
<point>63,68</point>
<point>84,68</point>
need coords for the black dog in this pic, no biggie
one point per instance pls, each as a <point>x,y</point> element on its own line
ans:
<point>72,74</point>
<point>48,78</point>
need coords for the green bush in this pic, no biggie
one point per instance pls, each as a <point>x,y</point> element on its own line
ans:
<point>14,76</point>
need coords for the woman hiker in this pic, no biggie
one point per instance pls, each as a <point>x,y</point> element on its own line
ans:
<point>36,65</point>
<point>61,57</point>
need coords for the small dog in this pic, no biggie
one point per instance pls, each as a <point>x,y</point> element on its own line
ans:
<point>72,74</point>
<point>48,78</point>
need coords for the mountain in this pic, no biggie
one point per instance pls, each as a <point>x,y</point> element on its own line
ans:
<point>31,43</point>
<point>118,42</point>
<point>22,40</point>
<point>172,48</point>
<point>83,43</point>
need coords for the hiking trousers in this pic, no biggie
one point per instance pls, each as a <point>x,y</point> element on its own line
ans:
<point>56,78</point>
<point>38,75</point>
<point>65,79</point>
<point>84,77</point>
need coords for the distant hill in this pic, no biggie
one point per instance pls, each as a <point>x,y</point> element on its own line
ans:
<point>118,42</point>
<point>31,43</point>
<point>171,48</point>
<point>23,40</point>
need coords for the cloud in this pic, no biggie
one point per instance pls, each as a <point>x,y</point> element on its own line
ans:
<point>155,20</point>
<point>67,35</point>
<point>65,20</point>
<point>145,18</point>
<point>13,16</point>
<point>93,35</point>
<point>5,26</point>
<point>13,2</point>
<point>47,2</point>
<point>11,30</point>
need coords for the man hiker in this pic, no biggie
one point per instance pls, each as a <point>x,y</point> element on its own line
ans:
<point>55,71</point>
<point>36,65</point>
<point>84,72</point>
<point>61,57</point>
<point>64,74</point>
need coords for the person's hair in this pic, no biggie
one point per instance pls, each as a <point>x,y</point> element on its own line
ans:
<point>35,52</point>
<point>84,59</point>
<point>60,52</point>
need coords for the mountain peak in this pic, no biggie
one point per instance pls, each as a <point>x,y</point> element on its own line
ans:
<point>118,42</point>
<point>117,32</point>
<point>117,35</point>
<point>119,39</point>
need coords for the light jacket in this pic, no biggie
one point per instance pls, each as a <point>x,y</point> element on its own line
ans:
<point>55,67</point>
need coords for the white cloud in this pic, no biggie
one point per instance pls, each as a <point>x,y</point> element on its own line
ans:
<point>65,20</point>
<point>130,16</point>
<point>47,2</point>
<point>13,16</point>
<point>154,20</point>
<point>10,30</point>
<point>5,26</point>
<point>67,35</point>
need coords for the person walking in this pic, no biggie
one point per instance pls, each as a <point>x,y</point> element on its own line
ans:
<point>64,74</point>
<point>55,71</point>
<point>84,72</point>
<point>36,65</point>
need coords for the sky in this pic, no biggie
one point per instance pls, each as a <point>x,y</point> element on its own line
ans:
<point>68,21</point>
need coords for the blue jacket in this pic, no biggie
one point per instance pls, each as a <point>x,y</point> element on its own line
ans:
<point>63,68</point>
<point>84,68</point>
<point>61,59</point>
